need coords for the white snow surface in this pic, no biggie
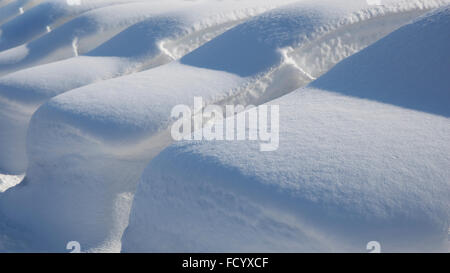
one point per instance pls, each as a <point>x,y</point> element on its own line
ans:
<point>97,22</point>
<point>170,32</point>
<point>9,181</point>
<point>37,15</point>
<point>359,160</point>
<point>11,9</point>
<point>354,163</point>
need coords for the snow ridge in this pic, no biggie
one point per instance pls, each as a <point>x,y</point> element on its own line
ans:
<point>180,29</point>
<point>349,170</point>
<point>92,136</point>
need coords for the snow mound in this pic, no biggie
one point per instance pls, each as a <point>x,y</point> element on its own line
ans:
<point>88,147</point>
<point>170,32</point>
<point>421,85</point>
<point>34,20</point>
<point>101,111</point>
<point>75,37</point>
<point>355,164</point>
<point>11,9</point>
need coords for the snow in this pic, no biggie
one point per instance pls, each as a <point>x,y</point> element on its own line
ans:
<point>102,231</point>
<point>85,107</point>
<point>37,15</point>
<point>180,28</point>
<point>359,160</point>
<point>9,181</point>
<point>107,108</point>
<point>11,9</point>
<point>405,78</point>
<point>86,31</point>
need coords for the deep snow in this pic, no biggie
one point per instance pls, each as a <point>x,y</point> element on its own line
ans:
<point>9,181</point>
<point>83,33</point>
<point>88,146</point>
<point>355,164</point>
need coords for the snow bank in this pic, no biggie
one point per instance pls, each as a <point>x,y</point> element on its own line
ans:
<point>5,2</point>
<point>355,164</point>
<point>189,28</point>
<point>31,20</point>
<point>88,147</point>
<point>77,36</point>
<point>171,32</point>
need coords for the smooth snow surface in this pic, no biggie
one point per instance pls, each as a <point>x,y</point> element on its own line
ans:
<point>170,32</point>
<point>9,181</point>
<point>37,15</point>
<point>75,37</point>
<point>359,160</point>
<point>11,9</point>
<point>85,104</point>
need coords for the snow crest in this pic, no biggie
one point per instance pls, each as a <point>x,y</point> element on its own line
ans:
<point>86,126</point>
<point>354,165</point>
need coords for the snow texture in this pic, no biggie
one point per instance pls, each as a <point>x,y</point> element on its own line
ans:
<point>26,43</point>
<point>9,181</point>
<point>356,164</point>
<point>86,106</point>
<point>22,28</point>
<point>170,32</point>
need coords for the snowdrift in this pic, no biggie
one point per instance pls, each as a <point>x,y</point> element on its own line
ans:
<point>9,181</point>
<point>355,164</point>
<point>30,21</point>
<point>77,36</point>
<point>88,147</point>
<point>170,32</point>
<point>11,9</point>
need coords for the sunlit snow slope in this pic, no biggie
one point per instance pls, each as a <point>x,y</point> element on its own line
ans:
<point>86,106</point>
<point>360,160</point>
<point>11,8</point>
<point>28,19</point>
<point>170,32</point>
